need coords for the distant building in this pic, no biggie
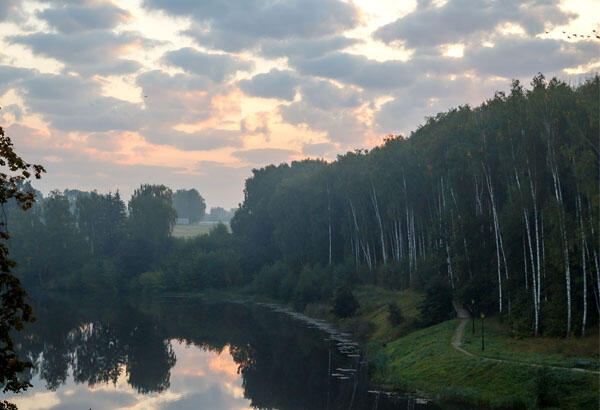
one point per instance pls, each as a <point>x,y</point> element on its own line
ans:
<point>182,221</point>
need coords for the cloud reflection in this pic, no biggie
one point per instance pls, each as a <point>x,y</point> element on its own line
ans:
<point>201,379</point>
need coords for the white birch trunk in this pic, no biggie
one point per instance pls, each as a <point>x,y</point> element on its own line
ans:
<point>496,234</point>
<point>378,215</point>
<point>533,279</point>
<point>583,264</point>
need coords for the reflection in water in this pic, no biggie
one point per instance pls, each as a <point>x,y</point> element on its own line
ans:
<point>186,353</point>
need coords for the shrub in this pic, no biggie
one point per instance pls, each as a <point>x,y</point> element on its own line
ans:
<point>437,304</point>
<point>344,303</point>
<point>152,282</point>
<point>395,316</point>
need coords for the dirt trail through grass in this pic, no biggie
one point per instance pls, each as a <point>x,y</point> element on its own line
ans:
<point>464,316</point>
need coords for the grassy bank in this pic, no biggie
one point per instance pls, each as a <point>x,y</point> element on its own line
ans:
<point>402,356</point>
<point>573,352</point>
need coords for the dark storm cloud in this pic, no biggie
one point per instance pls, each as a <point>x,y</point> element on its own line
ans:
<point>74,18</point>
<point>274,84</point>
<point>91,52</point>
<point>263,156</point>
<point>232,25</point>
<point>304,48</point>
<point>460,20</point>
<point>514,56</point>
<point>358,70</point>
<point>217,67</point>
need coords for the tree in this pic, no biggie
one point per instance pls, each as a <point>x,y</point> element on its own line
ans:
<point>189,204</point>
<point>14,309</point>
<point>151,220</point>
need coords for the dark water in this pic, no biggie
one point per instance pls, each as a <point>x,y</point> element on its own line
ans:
<point>185,353</point>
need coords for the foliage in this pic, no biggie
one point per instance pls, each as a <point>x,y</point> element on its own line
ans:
<point>14,309</point>
<point>344,302</point>
<point>436,306</point>
<point>395,314</point>
<point>189,204</point>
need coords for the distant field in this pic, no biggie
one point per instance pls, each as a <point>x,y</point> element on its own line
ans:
<point>189,231</point>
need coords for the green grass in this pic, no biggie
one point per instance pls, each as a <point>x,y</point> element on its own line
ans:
<point>425,361</point>
<point>373,302</point>
<point>190,231</point>
<point>499,344</point>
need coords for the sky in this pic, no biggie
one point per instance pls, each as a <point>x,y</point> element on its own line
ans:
<point>195,94</point>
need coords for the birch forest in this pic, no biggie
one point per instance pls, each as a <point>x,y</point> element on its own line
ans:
<point>498,204</point>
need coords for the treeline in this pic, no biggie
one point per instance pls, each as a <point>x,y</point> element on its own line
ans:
<point>495,206</point>
<point>86,240</point>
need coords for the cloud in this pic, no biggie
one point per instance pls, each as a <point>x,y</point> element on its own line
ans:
<point>217,67</point>
<point>263,156</point>
<point>90,52</point>
<point>305,48</point>
<point>10,9</point>
<point>339,125</point>
<point>464,20</point>
<point>428,96</point>
<point>11,76</point>
<point>274,84</point>
<point>73,18</point>
<point>207,139</point>
<point>71,103</point>
<point>358,70</point>
<point>320,150</point>
<point>232,26</point>
<point>514,56</point>
<point>325,95</point>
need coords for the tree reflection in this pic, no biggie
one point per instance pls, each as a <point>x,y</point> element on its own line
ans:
<point>282,364</point>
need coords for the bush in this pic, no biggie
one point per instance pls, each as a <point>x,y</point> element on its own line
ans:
<point>268,280</point>
<point>394,314</point>
<point>437,304</point>
<point>344,303</point>
<point>308,288</point>
<point>152,282</point>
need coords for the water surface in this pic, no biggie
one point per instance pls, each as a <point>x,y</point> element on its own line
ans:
<point>186,353</point>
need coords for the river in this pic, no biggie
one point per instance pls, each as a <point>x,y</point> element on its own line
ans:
<point>188,353</point>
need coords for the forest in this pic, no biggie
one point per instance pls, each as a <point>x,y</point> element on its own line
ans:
<point>495,206</point>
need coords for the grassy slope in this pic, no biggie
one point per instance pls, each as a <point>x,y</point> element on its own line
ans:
<point>543,350</point>
<point>424,360</point>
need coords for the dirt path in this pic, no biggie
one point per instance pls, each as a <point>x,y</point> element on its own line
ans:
<point>456,342</point>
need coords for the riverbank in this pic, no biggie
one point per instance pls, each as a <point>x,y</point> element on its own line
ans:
<point>403,356</point>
